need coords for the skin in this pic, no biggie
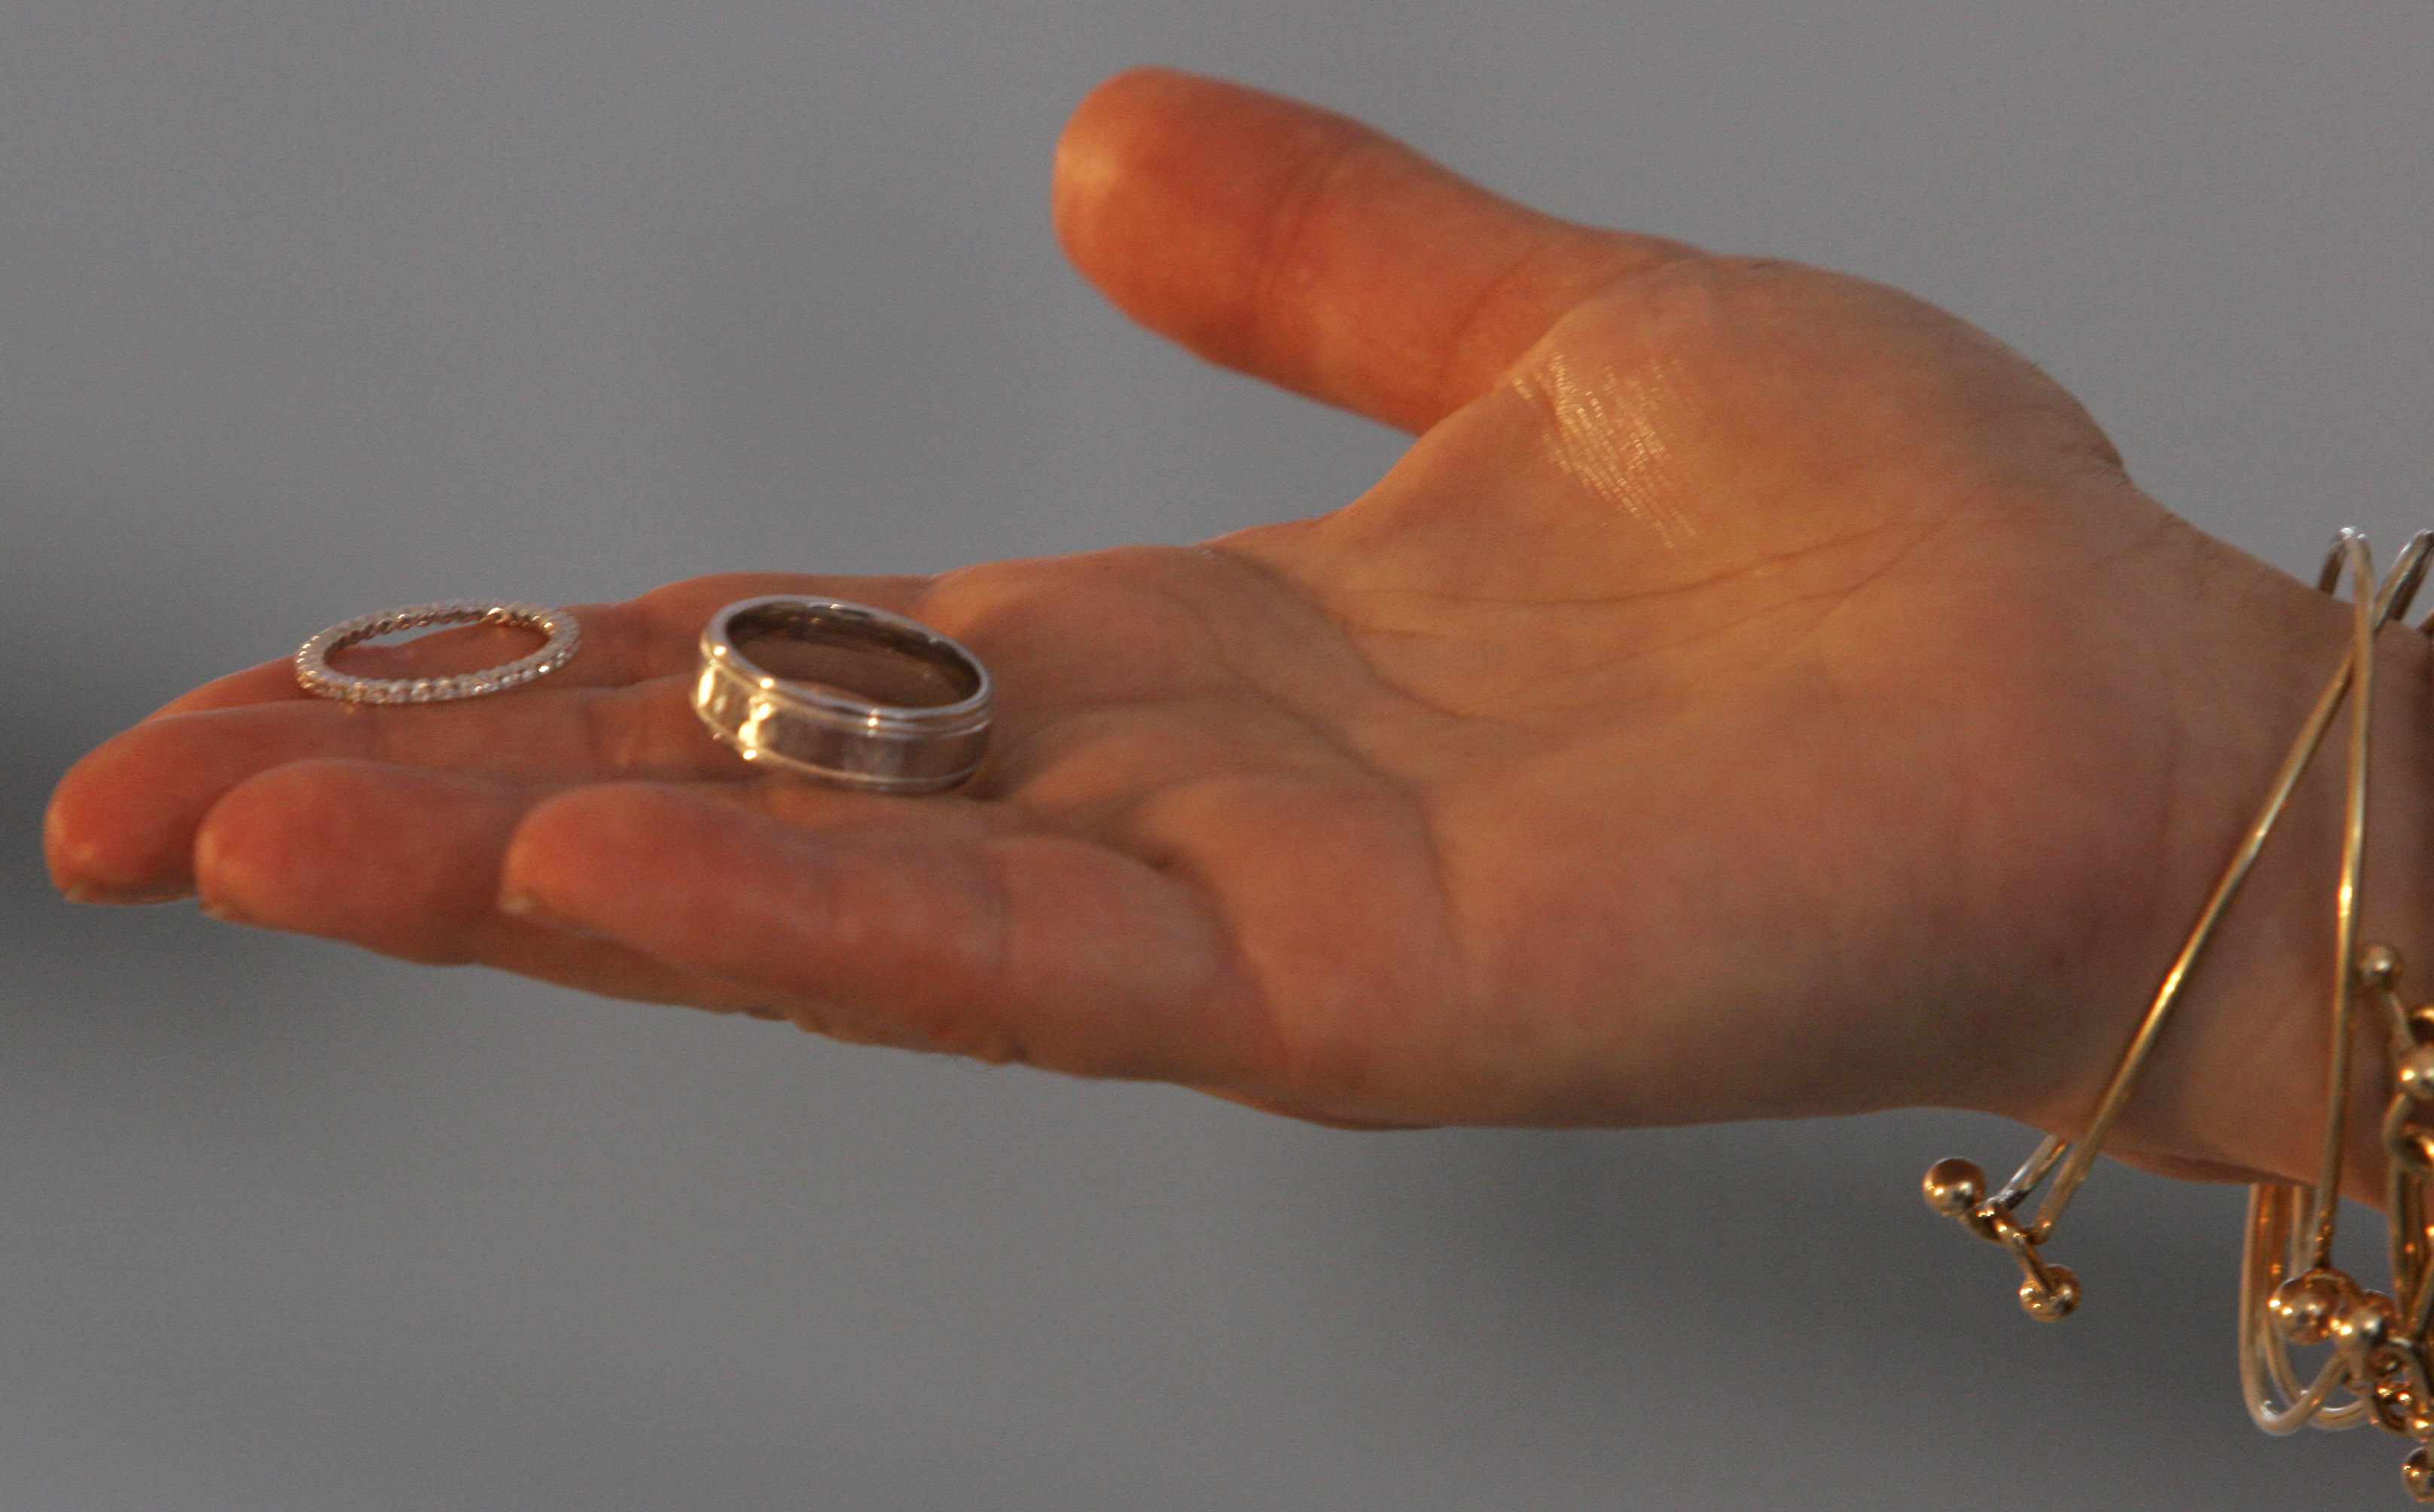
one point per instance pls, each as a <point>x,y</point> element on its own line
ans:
<point>1755,694</point>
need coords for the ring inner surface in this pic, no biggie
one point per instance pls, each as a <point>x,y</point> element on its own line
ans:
<point>876,663</point>
<point>441,648</point>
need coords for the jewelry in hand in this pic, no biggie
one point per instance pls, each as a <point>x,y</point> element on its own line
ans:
<point>844,693</point>
<point>315,675</point>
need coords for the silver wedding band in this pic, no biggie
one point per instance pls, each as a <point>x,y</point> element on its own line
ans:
<point>315,675</point>
<point>842,693</point>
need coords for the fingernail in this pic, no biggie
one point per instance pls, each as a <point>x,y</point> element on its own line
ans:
<point>525,907</point>
<point>85,892</point>
<point>215,908</point>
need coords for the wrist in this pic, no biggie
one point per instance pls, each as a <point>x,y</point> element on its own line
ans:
<point>2236,1086</point>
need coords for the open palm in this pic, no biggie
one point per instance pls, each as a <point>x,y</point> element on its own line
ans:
<point>1756,693</point>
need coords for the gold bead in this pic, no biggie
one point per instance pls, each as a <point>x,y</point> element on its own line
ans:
<point>2415,1075</point>
<point>2367,1326</point>
<point>1954,1186</point>
<point>2394,1407</point>
<point>2304,1307</point>
<point>2418,1475</point>
<point>2378,966</point>
<point>2053,1302</point>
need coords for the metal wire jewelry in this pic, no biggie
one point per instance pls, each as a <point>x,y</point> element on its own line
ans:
<point>843,694</point>
<point>314,674</point>
<point>2382,1364</point>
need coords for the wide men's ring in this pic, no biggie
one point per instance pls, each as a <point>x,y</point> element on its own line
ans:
<point>315,675</point>
<point>844,692</point>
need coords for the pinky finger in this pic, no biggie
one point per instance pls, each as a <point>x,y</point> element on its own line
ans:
<point>927,929</point>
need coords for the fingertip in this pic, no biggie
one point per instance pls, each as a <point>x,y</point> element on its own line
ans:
<point>1088,148</point>
<point>64,847</point>
<point>567,845</point>
<point>403,862</point>
<point>273,849</point>
<point>1118,133</point>
<point>528,868</point>
<point>104,838</point>
<point>1163,181</point>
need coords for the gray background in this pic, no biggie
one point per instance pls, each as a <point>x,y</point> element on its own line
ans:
<point>309,308</point>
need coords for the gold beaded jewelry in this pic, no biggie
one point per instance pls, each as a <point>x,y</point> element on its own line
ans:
<point>2382,1364</point>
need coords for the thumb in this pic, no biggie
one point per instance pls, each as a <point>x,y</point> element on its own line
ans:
<point>1307,250</point>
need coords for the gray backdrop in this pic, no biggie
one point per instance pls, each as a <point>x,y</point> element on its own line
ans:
<point>310,308</point>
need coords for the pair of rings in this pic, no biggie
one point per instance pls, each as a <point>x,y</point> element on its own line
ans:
<point>839,692</point>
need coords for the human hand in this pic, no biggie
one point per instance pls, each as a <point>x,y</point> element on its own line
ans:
<point>1756,694</point>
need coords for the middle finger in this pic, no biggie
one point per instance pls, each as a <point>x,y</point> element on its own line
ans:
<point>123,822</point>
